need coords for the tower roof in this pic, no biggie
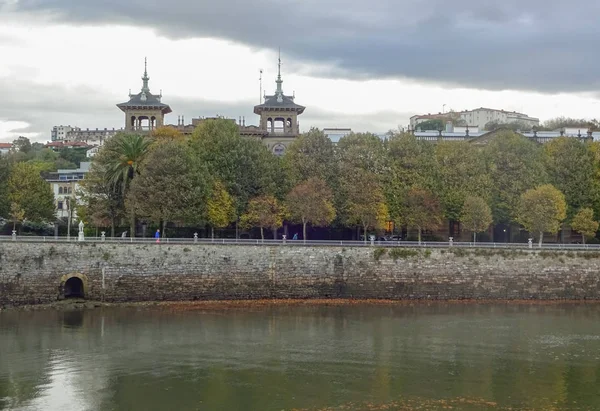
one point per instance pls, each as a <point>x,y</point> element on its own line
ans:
<point>144,99</point>
<point>279,101</point>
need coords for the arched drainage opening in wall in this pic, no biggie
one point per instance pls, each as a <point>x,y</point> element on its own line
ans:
<point>74,288</point>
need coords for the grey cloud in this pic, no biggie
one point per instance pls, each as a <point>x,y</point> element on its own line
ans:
<point>512,44</point>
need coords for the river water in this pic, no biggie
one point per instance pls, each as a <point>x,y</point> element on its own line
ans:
<point>303,357</point>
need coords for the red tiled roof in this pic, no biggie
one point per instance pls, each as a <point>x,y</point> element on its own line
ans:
<point>6,145</point>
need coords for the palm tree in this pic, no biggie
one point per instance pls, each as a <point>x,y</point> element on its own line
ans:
<point>126,153</point>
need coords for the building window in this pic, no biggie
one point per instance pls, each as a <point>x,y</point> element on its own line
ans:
<point>60,205</point>
<point>60,190</point>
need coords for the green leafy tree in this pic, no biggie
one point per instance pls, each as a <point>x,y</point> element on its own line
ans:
<point>264,212</point>
<point>29,192</point>
<point>5,166</point>
<point>513,125</point>
<point>435,124</point>
<point>22,144</point>
<point>125,155</point>
<point>171,187</point>
<point>311,155</point>
<point>515,165</point>
<point>476,215</point>
<point>220,207</point>
<point>412,163</point>
<point>584,223</point>
<point>365,201</point>
<point>101,203</point>
<point>245,167</point>
<point>570,167</point>
<point>311,202</point>
<point>422,211</point>
<point>365,151</point>
<point>541,210</point>
<point>461,173</point>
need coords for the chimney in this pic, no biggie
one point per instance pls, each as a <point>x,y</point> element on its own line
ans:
<point>244,121</point>
<point>182,121</point>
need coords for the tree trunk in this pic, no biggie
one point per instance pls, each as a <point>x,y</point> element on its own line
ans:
<point>164,229</point>
<point>419,235</point>
<point>541,239</point>
<point>365,233</point>
<point>583,239</point>
<point>237,234</point>
<point>262,234</point>
<point>112,226</point>
<point>132,226</point>
<point>14,225</point>
<point>304,231</point>
<point>474,237</point>
<point>212,232</point>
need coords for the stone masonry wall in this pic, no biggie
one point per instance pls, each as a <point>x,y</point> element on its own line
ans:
<point>33,273</point>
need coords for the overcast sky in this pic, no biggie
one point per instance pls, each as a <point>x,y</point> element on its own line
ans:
<point>368,65</point>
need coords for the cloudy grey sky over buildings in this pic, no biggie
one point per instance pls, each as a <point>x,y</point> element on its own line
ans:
<point>368,65</point>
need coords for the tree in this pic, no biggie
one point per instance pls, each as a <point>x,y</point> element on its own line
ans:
<point>101,203</point>
<point>569,163</point>
<point>166,133</point>
<point>22,144</point>
<point>17,214</point>
<point>365,151</point>
<point>562,122</point>
<point>542,209</point>
<point>365,201</point>
<point>5,167</point>
<point>311,155</point>
<point>422,210</point>
<point>245,167</point>
<point>263,212</point>
<point>172,186</point>
<point>220,207</point>
<point>125,154</point>
<point>430,125</point>
<point>476,215</point>
<point>584,223</point>
<point>311,202</point>
<point>514,165</point>
<point>411,163</point>
<point>461,171</point>
<point>31,193</point>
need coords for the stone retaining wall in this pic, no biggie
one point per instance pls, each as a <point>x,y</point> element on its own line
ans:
<point>33,273</point>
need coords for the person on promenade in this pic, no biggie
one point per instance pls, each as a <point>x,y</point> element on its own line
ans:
<point>157,236</point>
<point>295,237</point>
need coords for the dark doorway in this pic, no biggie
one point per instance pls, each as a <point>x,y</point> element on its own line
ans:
<point>74,288</point>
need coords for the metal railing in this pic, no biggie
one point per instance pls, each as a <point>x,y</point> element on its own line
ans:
<point>297,243</point>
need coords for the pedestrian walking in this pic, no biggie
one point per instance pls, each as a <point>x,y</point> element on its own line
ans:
<point>295,237</point>
<point>157,236</point>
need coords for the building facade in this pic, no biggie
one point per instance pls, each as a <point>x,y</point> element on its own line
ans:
<point>5,148</point>
<point>65,183</point>
<point>144,111</point>
<point>481,116</point>
<point>278,113</point>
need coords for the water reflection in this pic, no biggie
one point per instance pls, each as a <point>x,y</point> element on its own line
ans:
<point>274,358</point>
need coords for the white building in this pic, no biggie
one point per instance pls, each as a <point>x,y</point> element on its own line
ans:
<point>65,183</point>
<point>478,117</point>
<point>71,134</point>
<point>481,116</point>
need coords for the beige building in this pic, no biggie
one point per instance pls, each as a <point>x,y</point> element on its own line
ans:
<point>481,116</point>
<point>278,125</point>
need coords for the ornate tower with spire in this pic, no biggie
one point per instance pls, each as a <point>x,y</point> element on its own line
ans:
<point>144,111</point>
<point>279,117</point>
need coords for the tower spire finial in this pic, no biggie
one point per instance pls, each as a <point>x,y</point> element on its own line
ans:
<point>145,79</point>
<point>279,80</point>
